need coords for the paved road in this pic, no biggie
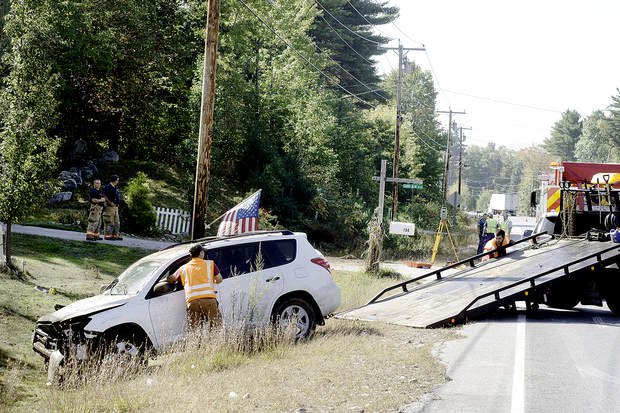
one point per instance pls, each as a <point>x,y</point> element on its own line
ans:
<point>551,361</point>
<point>80,236</point>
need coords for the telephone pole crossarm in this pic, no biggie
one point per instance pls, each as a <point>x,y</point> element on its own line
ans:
<point>407,49</point>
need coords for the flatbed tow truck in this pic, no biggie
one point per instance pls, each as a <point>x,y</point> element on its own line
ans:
<point>553,267</point>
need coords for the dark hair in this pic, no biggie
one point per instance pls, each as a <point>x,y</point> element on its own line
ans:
<point>114,178</point>
<point>195,250</point>
<point>500,232</point>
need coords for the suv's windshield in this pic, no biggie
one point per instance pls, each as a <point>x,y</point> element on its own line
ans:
<point>133,279</point>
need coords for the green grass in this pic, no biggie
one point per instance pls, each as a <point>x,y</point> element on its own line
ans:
<point>166,184</point>
<point>342,363</point>
<point>75,270</point>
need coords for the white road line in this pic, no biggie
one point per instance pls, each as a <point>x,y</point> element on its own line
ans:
<point>518,376</point>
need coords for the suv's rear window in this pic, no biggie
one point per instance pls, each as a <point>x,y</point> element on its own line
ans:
<point>244,258</point>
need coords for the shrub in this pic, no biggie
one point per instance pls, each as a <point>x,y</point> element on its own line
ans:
<point>142,218</point>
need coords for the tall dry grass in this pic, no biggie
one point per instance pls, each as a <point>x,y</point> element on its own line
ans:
<point>347,366</point>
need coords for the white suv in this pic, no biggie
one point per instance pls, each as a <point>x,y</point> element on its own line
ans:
<point>272,276</point>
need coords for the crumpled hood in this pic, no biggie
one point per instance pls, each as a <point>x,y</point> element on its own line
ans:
<point>86,306</point>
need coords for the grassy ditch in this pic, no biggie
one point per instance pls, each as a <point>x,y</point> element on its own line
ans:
<point>74,270</point>
<point>347,366</point>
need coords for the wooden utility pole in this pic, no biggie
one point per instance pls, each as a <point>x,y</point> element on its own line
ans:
<point>444,185</point>
<point>461,129</point>
<point>205,134</point>
<point>399,118</point>
<point>399,85</point>
<point>375,241</point>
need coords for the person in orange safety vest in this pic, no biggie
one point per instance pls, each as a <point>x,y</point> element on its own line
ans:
<point>498,243</point>
<point>199,278</point>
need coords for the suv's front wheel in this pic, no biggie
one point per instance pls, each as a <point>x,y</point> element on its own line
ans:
<point>295,315</point>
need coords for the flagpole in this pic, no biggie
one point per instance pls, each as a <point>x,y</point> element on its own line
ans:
<point>221,216</point>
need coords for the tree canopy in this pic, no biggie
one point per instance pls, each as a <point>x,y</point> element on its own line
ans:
<point>301,110</point>
<point>564,136</point>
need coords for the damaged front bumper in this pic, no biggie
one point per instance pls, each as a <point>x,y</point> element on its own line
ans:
<point>55,341</point>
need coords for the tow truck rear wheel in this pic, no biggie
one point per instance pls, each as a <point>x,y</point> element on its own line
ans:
<point>565,300</point>
<point>613,302</point>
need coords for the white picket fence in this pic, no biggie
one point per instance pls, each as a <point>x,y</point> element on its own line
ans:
<point>176,221</point>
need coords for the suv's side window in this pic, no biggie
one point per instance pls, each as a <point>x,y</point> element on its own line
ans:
<point>244,258</point>
<point>280,252</point>
<point>162,287</point>
<point>235,260</point>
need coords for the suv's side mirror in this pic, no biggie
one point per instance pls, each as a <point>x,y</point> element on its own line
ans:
<point>162,288</point>
<point>103,287</point>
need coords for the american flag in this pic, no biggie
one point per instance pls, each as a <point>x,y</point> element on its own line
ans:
<point>242,218</point>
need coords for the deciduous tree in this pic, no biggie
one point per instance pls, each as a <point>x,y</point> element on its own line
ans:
<point>595,143</point>
<point>564,136</point>
<point>28,108</point>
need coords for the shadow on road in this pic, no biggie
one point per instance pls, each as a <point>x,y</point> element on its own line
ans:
<point>579,315</point>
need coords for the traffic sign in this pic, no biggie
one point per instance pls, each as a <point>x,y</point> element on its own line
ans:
<point>412,186</point>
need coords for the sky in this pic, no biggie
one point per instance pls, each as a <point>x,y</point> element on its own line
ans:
<point>543,57</point>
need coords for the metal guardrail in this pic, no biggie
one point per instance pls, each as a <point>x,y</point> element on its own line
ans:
<point>437,273</point>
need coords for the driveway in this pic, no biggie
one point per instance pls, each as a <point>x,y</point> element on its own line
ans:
<point>81,236</point>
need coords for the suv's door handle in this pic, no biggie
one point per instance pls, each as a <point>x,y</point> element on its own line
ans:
<point>275,278</point>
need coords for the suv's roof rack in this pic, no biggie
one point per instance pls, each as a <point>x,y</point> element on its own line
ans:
<point>245,234</point>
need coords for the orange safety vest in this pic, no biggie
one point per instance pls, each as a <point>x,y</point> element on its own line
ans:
<point>198,279</point>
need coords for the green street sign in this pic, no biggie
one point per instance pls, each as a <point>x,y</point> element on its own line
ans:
<point>412,186</point>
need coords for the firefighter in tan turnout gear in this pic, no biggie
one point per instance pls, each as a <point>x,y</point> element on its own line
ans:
<point>97,200</point>
<point>111,220</point>
<point>199,277</point>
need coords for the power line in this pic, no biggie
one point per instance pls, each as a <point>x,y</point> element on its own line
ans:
<point>439,146</point>
<point>345,70</point>
<point>406,35</point>
<point>341,67</point>
<point>419,139</point>
<point>302,56</point>
<point>389,62</point>
<point>375,26</point>
<point>345,42</point>
<point>292,106</point>
<point>346,27</point>
<point>504,102</point>
<point>428,57</point>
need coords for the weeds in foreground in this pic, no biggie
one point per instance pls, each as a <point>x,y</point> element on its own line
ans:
<point>206,349</point>
<point>9,393</point>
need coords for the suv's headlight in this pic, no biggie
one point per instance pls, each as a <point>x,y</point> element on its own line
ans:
<point>74,329</point>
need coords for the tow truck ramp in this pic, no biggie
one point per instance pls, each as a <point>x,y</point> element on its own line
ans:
<point>530,265</point>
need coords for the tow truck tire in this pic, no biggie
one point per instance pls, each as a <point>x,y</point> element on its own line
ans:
<point>564,300</point>
<point>614,304</point>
